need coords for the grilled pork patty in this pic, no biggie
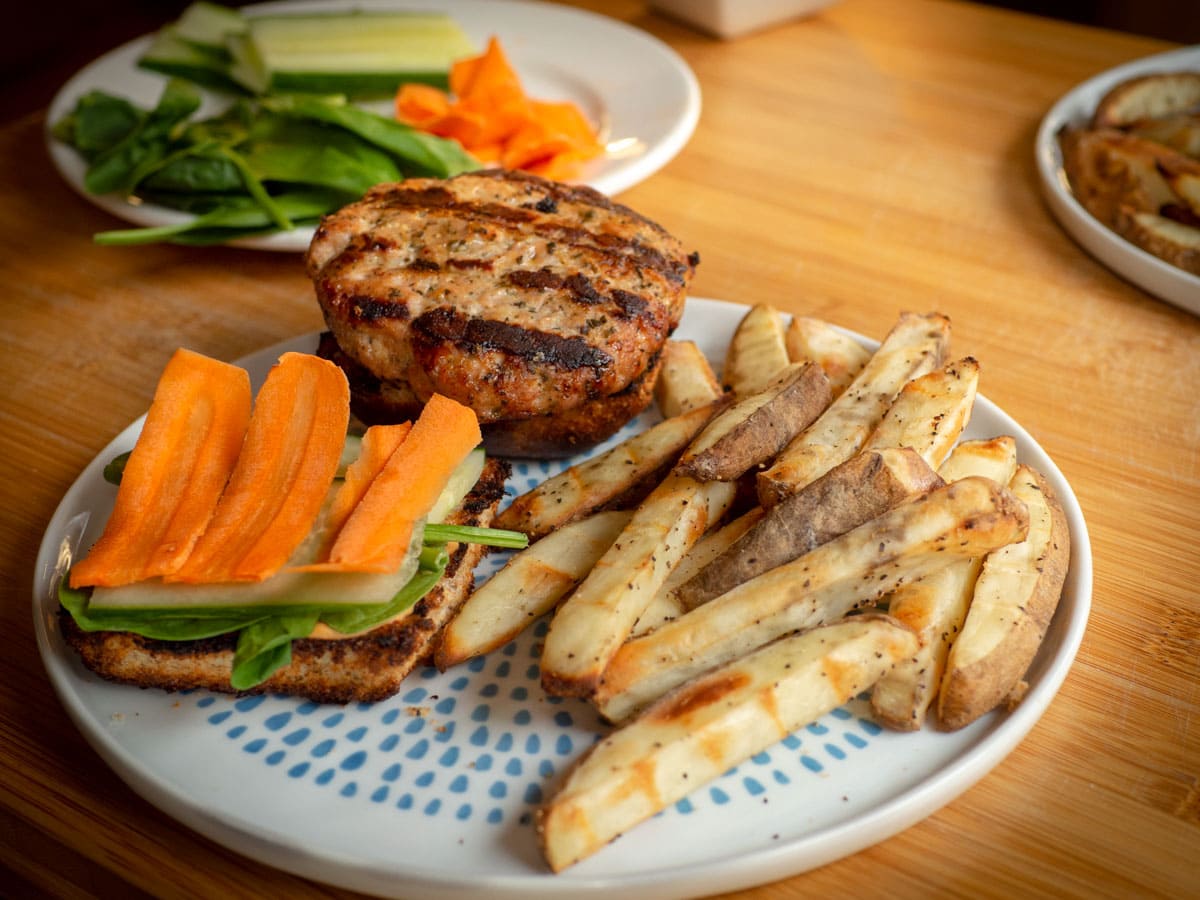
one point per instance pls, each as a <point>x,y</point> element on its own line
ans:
<point>517,296</point>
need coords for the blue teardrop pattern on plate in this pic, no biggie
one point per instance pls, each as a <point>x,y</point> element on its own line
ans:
<point>482,741</point>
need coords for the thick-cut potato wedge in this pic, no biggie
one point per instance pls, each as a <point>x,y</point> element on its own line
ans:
<point>965,519</point>
<point>1185,182</point>
<point>1109,170</point>
<point>931,412</point>
<point>666,604</point>
<point>1181,133</point>
<point>1015,598</point>
<point>915,345</point>
<point>841,356</point>
<point>1167,239</point>
<point>529,586</point>
<point>756,353</point>
<point>1133,186</point>
<point>609,480</point>
<point>936,605</point>
<point>757,427</point>
<point>700,731</point>
<point>853,492</point>
<point>686,381</point>
<point>596,619</point>
<point>1147,97</point>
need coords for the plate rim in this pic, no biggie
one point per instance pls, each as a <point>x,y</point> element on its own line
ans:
<point>1129,261</point>
<point>788,858</point>
<point>612,182</point>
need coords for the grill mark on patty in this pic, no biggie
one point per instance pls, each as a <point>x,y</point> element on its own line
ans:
<point>447,325</point>
<point>436,201</point>
<point>630,304</point>
<point>365,308</point>
<point>580,289</point>
<point>484,264</point>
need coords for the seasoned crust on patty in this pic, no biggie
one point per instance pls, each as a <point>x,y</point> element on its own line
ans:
<point>514,295</point>
<point>376,402</point>
<point>363,668</point>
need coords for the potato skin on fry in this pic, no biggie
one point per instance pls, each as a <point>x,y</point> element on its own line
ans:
<point>755,429</point>
<point>845,497</point>
<point>1015,597</point>
<point>708,725</point>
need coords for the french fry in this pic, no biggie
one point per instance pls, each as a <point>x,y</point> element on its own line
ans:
<point>757,427</point>
<point>756,353</point>
<point>1015,597</point>
<point>609,479</point>
<point>686,381</point>
<point>965,519</point>
<point>528,587</point>
<point>701,730</point>
<point>914,346</point>
<point>841,356</point>
<point>856,491</point>
<point>595,620</point>
<point>936,605</point>
<point>931,412</point>
<point>666,605</point>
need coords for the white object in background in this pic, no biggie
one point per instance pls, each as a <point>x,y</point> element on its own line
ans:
<point>734,18</point>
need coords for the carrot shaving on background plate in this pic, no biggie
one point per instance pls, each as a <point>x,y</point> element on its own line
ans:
<point>495,121</point>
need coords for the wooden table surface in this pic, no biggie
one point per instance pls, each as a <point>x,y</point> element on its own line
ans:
<point>874,159</point>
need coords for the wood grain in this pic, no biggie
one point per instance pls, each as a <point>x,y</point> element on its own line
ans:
<point>849,166</point>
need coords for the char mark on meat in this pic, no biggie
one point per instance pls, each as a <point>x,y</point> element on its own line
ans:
<point>446,325</point>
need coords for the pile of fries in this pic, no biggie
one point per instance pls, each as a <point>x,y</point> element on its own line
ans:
<point>806,529</point>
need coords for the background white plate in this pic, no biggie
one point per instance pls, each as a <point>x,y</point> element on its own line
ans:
<point>375,798</point>
<point>642,93</point>
<point>1147,271</point>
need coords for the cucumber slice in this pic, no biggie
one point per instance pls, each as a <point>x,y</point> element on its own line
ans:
<point>168,54</point>
<point>364,55</point>
<point>207,26</point>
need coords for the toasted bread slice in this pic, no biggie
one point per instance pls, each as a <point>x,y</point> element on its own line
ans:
<point>359,668</point>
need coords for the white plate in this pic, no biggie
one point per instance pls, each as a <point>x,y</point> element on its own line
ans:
<point>1147,271</point>
<point>373,798</point>
<point>641,92</point>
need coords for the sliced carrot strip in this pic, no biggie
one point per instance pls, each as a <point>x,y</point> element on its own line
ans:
<point>175,474</point>
<point>376,537</point>
<point>495,121</point>
<point>291,453</point>
<point>378,444</point>
<point>420,103</point>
